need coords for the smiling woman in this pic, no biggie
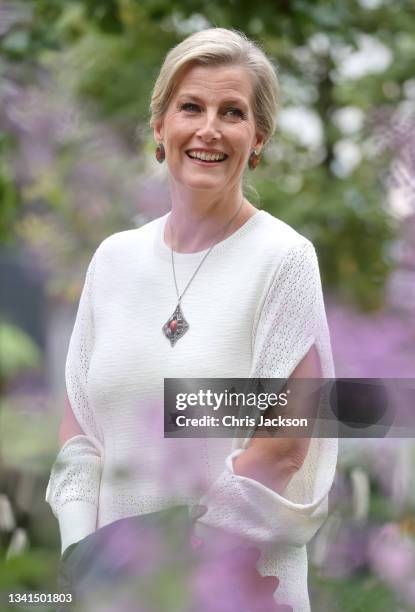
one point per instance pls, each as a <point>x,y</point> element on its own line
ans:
<point>217,289</point>
<point>208,133</point>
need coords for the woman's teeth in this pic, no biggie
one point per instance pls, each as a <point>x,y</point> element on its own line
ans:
<point>209,157</point>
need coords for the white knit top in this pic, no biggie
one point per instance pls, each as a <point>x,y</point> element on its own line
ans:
<point>254,309</point>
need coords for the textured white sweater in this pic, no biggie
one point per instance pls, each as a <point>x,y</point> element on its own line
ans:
<point>255,308</point>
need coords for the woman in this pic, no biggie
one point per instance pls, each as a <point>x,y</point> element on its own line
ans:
<point>215,288</point>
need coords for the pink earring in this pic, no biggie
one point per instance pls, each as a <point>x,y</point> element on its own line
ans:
<point>160,153</point>
<point>254,160</point>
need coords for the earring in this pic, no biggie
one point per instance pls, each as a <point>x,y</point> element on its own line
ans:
<point>160,153</point>
<point>254,160</point>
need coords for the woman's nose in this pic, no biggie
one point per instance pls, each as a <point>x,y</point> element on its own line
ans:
<point>208,128</point>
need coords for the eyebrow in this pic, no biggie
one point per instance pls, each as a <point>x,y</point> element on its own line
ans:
<point>196,98</point>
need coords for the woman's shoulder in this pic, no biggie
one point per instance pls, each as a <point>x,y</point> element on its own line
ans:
<point>127,241</point>
<point>277,238</point>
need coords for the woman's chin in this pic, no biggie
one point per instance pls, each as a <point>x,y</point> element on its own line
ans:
<point>204,183</point>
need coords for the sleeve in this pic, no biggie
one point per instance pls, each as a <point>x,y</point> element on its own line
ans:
<point>291,319</point>
<point>73,487</point>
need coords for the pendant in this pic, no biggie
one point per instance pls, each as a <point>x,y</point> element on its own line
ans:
<point>176,326</point>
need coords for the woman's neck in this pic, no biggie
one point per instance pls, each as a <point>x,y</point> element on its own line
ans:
<point>199,223</point>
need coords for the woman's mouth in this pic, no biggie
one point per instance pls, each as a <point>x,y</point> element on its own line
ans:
<point>205,157</point>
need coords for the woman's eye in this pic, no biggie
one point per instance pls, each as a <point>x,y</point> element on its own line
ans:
<point>234,112</point>
<point>188,106</point>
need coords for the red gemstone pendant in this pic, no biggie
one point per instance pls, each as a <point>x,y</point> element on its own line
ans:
<point>176,326</point>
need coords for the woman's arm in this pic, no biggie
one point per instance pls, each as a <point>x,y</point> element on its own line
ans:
<point>69,425</point>
<point>273,461</point>
<point>73,488</point>
<point>275,490</point>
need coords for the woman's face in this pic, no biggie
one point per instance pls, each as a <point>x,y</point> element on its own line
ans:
<point>210,112</point>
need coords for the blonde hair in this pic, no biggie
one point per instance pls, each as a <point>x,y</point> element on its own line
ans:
<point>220,46</point>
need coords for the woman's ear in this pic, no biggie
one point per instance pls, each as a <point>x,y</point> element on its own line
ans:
<point>258,142</point>
<point>158,130</point>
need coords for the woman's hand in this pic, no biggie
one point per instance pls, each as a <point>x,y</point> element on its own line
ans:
<point>273,461</point>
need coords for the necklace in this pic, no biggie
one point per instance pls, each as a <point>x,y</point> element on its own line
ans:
<point>176,326</point>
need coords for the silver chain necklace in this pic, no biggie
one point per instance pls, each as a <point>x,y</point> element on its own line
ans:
<point>176,326</point>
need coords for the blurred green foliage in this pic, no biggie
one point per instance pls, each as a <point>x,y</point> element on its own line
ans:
<point>8,191</point>
<point>34,570</point>
<point>364,593</point>
<point>18,353</point>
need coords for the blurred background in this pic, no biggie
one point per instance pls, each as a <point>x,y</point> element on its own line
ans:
<point>77,164</point>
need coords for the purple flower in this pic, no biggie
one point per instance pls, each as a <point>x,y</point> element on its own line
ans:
<point>228,580</point>
<point>392,557</point>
